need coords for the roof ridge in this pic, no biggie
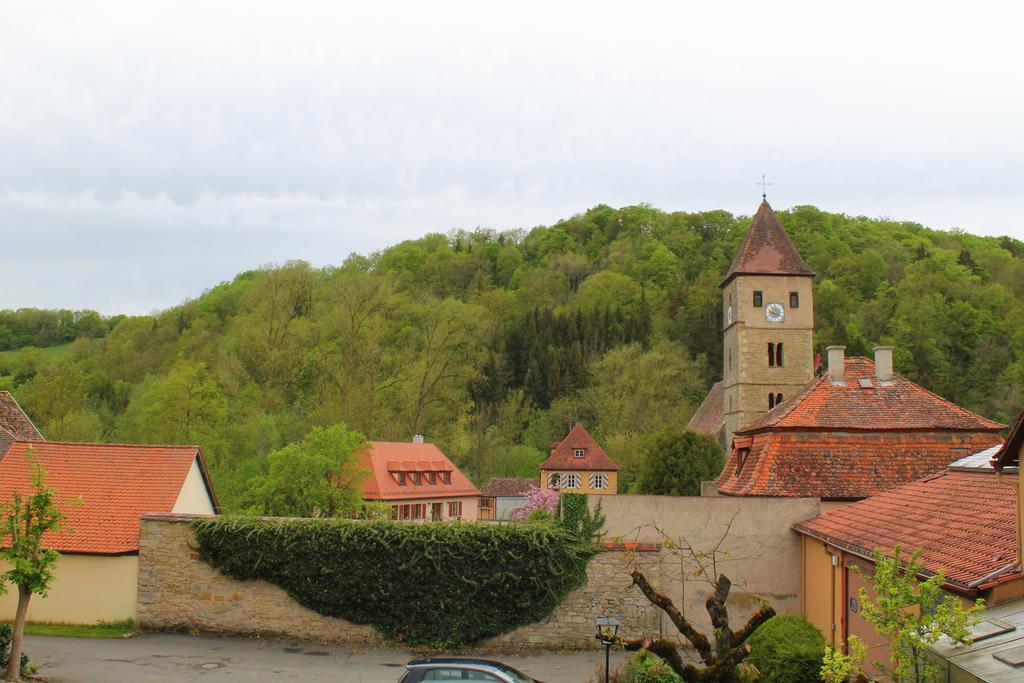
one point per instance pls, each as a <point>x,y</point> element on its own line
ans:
<point>102,444</point>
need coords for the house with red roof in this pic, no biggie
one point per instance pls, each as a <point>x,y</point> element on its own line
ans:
<point>578,464</point>
<point>854,431</point>
<point>418,480</point>
<point>966,518</point>
<point>103,489</point>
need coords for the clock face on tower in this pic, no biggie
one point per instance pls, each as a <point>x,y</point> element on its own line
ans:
<point>728,316</point>
<point>774,313</point>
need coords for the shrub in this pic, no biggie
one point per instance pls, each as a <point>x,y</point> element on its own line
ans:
<point>429,584</point>
<point>787,648</point>
<point>645,667</point>
<point>6,633</point>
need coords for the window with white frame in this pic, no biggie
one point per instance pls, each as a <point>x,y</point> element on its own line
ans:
<point>598,481</point>
<point>579,452</point>
<point>571,481</point>
<point>554,480</point>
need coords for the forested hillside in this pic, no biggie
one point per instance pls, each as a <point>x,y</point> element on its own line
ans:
<point>492,343</point>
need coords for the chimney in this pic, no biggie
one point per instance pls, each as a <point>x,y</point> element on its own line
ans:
<point>417,438</point>
<point>836,364</point>
<point>883,363</point>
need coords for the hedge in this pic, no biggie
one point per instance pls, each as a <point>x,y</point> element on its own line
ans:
<point>424,584</point>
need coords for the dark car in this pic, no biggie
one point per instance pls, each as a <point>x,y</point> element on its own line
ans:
<point>462,669</point>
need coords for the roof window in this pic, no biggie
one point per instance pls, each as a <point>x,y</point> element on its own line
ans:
<point>579,452</point>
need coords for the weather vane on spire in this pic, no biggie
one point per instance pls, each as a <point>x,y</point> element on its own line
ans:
<point>764,184</point>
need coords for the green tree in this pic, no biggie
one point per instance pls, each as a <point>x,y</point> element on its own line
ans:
<point>56,399</point>
<point>26,520</point>
<point>317,477</point>
<point>913,614</point>
<point>184,406</point>
<point>676,461</point>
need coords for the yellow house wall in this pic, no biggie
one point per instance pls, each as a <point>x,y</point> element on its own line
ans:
<point>613,481</point>
<point>193,497</point>
<point>86,589</point>
<point>818,577</point>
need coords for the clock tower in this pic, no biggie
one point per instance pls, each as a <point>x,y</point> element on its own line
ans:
<point>768,318</point>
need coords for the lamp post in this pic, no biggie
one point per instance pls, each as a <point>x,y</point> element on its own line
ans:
<point>607,633</point>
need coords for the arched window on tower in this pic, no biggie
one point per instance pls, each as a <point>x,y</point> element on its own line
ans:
<point>771,355</point>
<point>778,354</point>
<point>778,399</point>
<point>771,400</point>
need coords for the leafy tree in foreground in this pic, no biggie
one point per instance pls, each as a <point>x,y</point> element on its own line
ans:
<point>913,614</point>
<point>319,476</point>
<point>26,520</point>
<point>676,461</point>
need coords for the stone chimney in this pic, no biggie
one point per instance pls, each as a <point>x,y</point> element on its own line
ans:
<point>883,363</point>
<point>417,438</point>
<point>837,364</point>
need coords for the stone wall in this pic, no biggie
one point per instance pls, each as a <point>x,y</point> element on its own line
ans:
<point>761,555</point>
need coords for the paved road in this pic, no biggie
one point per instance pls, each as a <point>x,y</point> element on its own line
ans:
<point>173,658</point>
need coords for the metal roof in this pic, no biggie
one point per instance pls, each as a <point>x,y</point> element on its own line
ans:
<point>998,639</point>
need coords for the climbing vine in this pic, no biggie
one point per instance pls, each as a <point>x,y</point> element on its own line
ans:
<point>425,584</point>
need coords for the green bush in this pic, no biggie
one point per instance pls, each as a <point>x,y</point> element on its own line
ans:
<point>787,648</point>
<point>432,584</point>
<point>645,667</point>
<point>6,633</point>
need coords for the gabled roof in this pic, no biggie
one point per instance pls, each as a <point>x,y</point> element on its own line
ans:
<point>767,250</point>
<point>850,441</point>
<point>387,459</point>
<point>964,521</point>
<point>710,416</point>
<point>14,421</point>
<point>563,454</point>
<point>115,484</point>
<point>508,487</point>
<point>898,404</point>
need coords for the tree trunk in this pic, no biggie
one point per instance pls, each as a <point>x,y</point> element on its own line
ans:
<point>14,664</point>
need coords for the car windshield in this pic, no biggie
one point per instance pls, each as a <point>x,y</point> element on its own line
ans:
<point>516,676</point>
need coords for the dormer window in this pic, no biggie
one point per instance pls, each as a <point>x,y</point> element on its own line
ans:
<point>399,477</point>
<point>417,478</point>
<point>431,477</point>
<point>446,477</point>
<point>579,452</point>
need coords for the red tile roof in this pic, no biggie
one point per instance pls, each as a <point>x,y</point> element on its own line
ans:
<point>841,465</point>
<point>594,458</point>
<point>848,442</point>
<point>710,416</point>
<point>767,249</point>
<point>510,487</point>
<point>384,459</point>
<point>14,421</point>
<point>965,521</point>
<point>116,485</point>
<point>896,405</point>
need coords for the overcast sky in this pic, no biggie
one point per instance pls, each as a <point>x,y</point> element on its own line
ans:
<point>149,151</point>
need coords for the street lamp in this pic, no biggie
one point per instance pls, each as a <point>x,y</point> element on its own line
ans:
<point>607,633</point>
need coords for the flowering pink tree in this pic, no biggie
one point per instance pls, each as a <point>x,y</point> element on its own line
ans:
<point>537,499</point>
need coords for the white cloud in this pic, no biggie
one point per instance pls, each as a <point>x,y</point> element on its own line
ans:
<point>218,132</point>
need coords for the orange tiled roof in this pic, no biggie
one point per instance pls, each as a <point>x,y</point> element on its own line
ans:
<point>767,249</point>
<point>710,416</point>
<point>14,421</point>
<point>383,458</point>
<point>899,404</point>
<point>116,484</point>
<point>848,442</point>
<point>965,521</point>
<point>594,458</point>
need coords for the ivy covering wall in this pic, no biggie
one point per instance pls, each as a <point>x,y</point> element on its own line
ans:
<point>424,584</point>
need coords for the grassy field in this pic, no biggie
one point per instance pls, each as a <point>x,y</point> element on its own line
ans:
<point>50,353</point>
<point>102,630</point>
